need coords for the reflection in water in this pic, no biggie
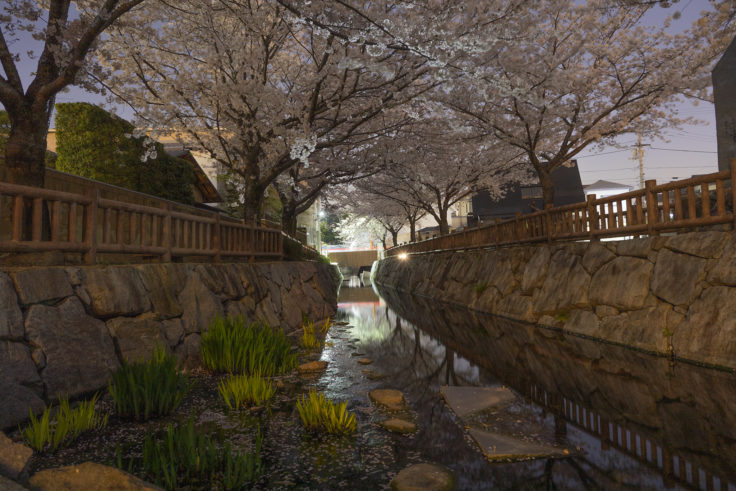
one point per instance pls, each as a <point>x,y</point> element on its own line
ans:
<point>636,420</point>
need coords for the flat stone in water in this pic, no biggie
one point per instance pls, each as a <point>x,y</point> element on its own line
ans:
<point>397,425</point>
<point>365,361</point>
<point>390,398</point>
<point>371,375</point>
<point>466,400</point>
<point>87,476</point>
<point>8,485</point>
<point>496,446</point>
<point>312,367</point>
<point>357,354</point>
<point>14,457</point>
<point>423,477</point>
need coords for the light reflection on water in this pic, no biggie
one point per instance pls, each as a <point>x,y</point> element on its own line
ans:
<point>635,421</point>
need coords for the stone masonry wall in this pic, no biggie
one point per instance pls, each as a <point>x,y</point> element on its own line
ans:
<point>673,294</point>
<point>63,329</point>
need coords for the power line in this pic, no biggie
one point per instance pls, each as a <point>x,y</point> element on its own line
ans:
<point>681,150</point>
<point>599,154</point>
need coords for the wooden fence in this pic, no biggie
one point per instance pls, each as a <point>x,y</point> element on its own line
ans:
<point>688,203</point>
<point>92,225</point>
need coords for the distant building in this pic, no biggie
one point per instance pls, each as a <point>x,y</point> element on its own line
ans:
<point>528,198</point>
<point>603,189</point>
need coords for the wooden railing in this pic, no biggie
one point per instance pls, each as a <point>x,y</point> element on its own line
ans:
<point>37,220</point>
<point>694,202</point>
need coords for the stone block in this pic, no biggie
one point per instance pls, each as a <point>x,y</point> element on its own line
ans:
<point>622,283</point>
<point>645,328</point>
<point>606,311</point>
<point>702,244</point>
<point>535,270</point>
<point>41,285</point>
<point>199,305</point>
<point>724,271</point>
<point>20,385</point>
<point>79,350</point>
<point>583,322</point>
<point>88,475</point>
<point>174,331</point>
<point>11,318</point>
<point>565,286</point>
<point>516,306</point>
<point>115,291</point>
<point>635,247</point>
<point>161,290</point>
<point>136,337</point>
<point>596,256</point>
<point>676,277</point>
<point>189,352</point>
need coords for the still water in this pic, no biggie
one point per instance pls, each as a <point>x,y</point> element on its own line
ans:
<point>625,419</point>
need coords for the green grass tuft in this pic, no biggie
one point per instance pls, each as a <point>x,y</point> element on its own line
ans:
<point>148,389</point>
<point>68,425</point>
<point>238,390</point>
<point>309,339</point>
<point>318,413</point>
<point>230,346</point>
<point>185,458</point>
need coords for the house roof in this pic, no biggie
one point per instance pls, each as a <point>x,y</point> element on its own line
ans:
<point>601,184</point>
<point>201,181</point>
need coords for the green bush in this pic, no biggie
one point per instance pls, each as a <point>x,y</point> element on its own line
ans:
<point>230,346</point>
<point>186,458</point>
<point>318,413</point>
<point>69,424</point>
<point>144,390</point>
<point>237,390</point>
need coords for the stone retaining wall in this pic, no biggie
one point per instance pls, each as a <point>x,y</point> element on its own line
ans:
<point>63,329</point>
<point>667,295</point>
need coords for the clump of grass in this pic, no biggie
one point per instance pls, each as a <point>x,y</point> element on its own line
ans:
<point>232,347</point>
<point>238,390</point>
<point>309,339</point>
<point>148,389</point>
<point>42,433</point>
<point>480,288</point>
<point>318,413</point>
<point>186,458</point>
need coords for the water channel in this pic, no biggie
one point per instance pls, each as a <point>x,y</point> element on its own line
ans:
<point>613,417</point>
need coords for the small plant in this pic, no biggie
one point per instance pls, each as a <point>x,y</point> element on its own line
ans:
<point>562,316</point>
<point>309,339</point>
<point>325,327</point>
<point>318,413</point>
<point>237,390</point>
<point>148,389</point>
<point>186,458</point>
<point>480,288</point>
<point>232,347</point>
<point>69,424</point>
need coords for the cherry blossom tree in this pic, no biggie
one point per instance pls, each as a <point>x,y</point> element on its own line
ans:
<point>68,35</point>
<point>253,87</point>
<point>582,75</point>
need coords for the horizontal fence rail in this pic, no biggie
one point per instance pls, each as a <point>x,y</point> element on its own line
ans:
<point>39,220</point>
<point>699,201</point>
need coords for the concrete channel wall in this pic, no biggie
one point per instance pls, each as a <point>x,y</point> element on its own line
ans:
<point>63,329</point>
<point>672,295</point>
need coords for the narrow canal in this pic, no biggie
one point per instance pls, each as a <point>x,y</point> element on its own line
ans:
<point>575,413</point>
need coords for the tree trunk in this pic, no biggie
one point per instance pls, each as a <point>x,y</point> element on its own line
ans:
<point>395,237</point>
<point>25,150</point>
<point>288,219</point>
<point>252,202</point>
<point>548,186</point>
<point>444,226</point>
<point>412,230</point>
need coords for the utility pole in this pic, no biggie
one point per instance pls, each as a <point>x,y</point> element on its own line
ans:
<point>639,155</point>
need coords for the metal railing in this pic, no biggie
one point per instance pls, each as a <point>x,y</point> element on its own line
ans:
<point>91,225</point>
<point>688,203</point>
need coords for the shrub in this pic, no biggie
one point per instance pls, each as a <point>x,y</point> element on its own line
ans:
<point>69,424</point>
<point>184,457</point>
<point>144,390</point>
<point>318,413</point>
<point>237,390</point>
<point>232,347</point>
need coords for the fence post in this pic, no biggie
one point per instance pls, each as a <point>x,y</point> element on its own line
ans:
<point>216,238</point>
<point>733,187</point>
<point>652,205</point>
<point>548,221</point>
<point>90,226</point>
<point>517,225</point>
<point>592,217</point>
<point>167,234</point>
<point>496,231</point>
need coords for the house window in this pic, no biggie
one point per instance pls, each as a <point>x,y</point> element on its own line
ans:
<point>531,192</point>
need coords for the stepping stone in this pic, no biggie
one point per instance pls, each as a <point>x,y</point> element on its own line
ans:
<point>8,485</point>
<point>371,375</point>
<point>397,425</point>
<point>312,367</point>
<point>467,400</point>
<point>14,457</point>
<point>423,477</point>
<point>389,398</point>
<point>365,361</point>
<point>341,323</point>
<point>87,476</point>
<point>357,354</point>
<point>496,446</point>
